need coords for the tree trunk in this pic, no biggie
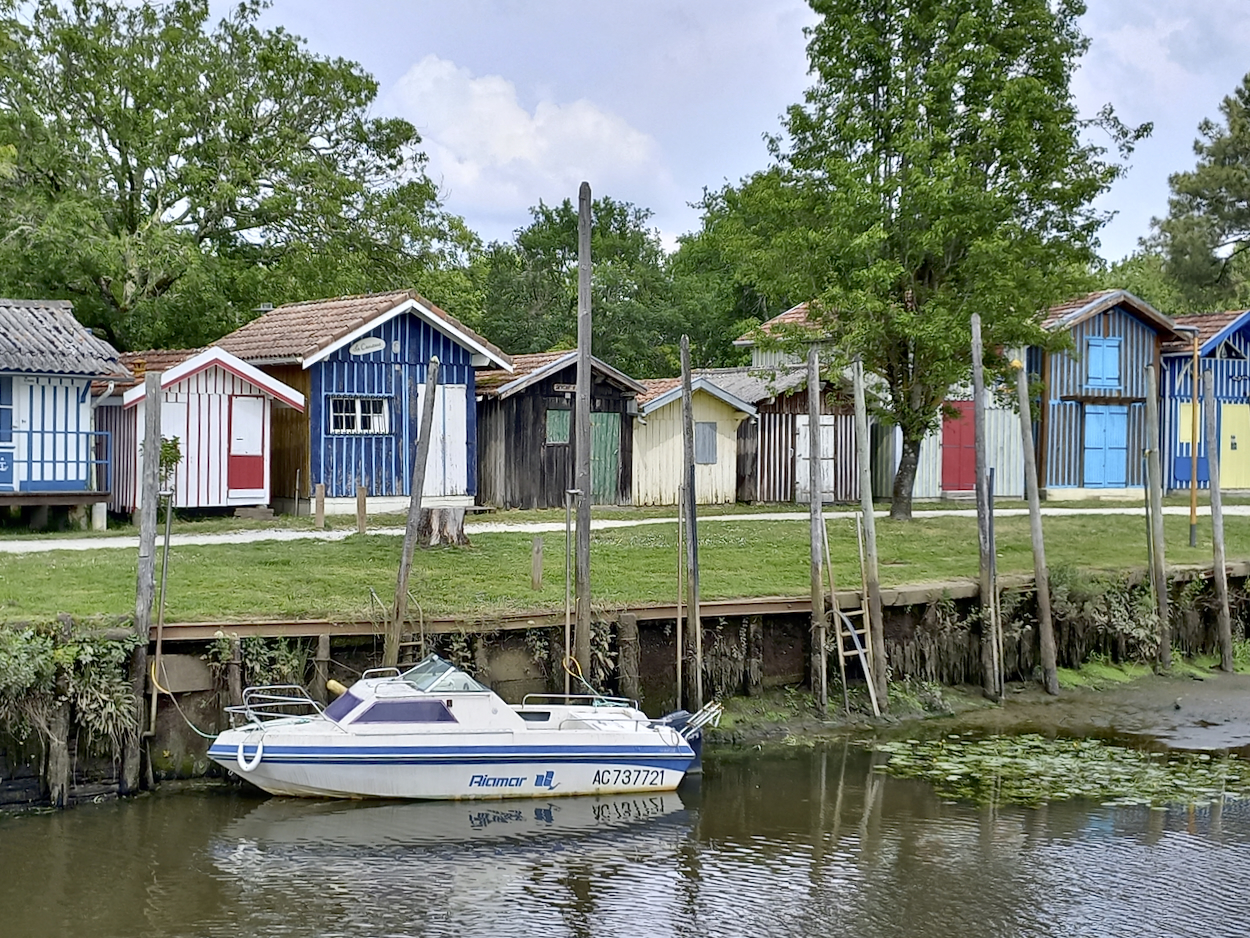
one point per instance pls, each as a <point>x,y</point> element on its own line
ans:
<point>442,526</point>
<point>905,481</point>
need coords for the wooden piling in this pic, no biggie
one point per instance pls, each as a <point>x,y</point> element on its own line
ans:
<point>820,658</point>
<point>989,658</point>
<point>399,608</point>
<point>319,519</point>
<point>872,579</point>
<point>536,564</point>
<point>1154,473</point>
<point>234,673</point>
<point>1219,567</point>
<point>627,645</point>
<point>754,670</point>
<point>1193,444</point>
<point>681,592</point>
<point>1041,573</point>
<point>58,773</point>
<point>694,618</point>
<point>581,636</point>
<point>321,669</point>
<point>362,508</point>
<point>145,587</point>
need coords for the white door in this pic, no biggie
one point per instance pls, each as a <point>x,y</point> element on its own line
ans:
<point>245,472</point>
<point>446,471</point>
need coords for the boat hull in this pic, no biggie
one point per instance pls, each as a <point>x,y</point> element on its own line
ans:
<point>294,764</point>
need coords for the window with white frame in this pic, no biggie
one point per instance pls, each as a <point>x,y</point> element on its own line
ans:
<point>359,415</point>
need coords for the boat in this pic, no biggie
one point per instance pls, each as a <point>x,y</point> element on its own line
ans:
<point>434,732</point>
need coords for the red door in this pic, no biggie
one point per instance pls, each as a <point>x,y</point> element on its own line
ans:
<point>245,469</point>
<point>959,450</point>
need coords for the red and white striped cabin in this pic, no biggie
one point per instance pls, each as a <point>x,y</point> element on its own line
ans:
<point>218,407</point>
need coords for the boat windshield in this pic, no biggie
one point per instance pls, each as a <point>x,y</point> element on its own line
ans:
<point>434,675</point>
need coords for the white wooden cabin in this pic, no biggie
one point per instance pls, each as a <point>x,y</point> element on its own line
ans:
<point>659,451</point>
<point>219,408</point>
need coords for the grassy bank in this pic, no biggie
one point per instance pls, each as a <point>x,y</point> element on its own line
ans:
<point>631,565</point>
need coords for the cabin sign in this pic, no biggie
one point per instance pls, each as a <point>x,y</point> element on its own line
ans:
<point>367,345</point>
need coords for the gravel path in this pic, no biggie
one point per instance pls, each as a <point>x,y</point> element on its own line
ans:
<point>35,545</point>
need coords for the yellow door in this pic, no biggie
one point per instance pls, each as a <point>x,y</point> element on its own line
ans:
<point>1235,446</point>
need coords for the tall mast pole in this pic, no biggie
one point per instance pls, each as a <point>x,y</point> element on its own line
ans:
<point>581,639</point>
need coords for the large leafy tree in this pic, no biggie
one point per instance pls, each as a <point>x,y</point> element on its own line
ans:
<point>1206,236</point>
<point>169,174</point>
<point>530,288</point>
<point>937,167</point>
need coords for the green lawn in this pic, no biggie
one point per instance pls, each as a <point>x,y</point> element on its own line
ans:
<point>631,565</point>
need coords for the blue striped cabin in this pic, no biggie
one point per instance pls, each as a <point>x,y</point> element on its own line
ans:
<point>1091,436</point>
<point>1224,350</point>
<point>50,450</point>
<point>361,363</point>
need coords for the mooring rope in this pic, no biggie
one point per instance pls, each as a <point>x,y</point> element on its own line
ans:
<point>174,700</point>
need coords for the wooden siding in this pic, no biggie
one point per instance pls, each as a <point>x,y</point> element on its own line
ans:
<point>519,468</point>
<point>839,469</point>
<point>197,412</point>
<point>383,462</point>
<point>1068,393</point>
<point>659,456</point>
<point>774,430</point>
<point>289,452</point>
<point>1232,386</point>
<point>887,450</point>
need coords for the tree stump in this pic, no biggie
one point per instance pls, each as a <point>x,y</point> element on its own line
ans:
<point>442,526</point>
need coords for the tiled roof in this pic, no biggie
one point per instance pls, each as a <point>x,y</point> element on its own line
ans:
<point>43,337</point>
<point>1068,314</point>
<point>661,392</point>
<point>1057,315</point>
<point>522,365</point>
<point>795,317</point>
<point>140,363</point>
<point>657,386</point>
<point>298,331</point>
<point>1209,325</point>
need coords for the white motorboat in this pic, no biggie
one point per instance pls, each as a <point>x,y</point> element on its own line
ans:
<point>433,732</point>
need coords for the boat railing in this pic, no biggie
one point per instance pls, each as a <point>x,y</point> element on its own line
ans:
<point>380,672</point>
<point>709,714</point>
<point>270,702</point>
<point>594,700</point>
<point>581,722</point>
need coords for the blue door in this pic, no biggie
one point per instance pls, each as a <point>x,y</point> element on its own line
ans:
<point>6,432</point>
<point>1106,446</point>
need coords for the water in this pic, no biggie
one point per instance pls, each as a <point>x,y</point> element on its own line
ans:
<point>805,843</point>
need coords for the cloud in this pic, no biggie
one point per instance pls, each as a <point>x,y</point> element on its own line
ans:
<point>494,157</point>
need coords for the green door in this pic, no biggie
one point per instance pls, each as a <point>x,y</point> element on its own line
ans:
<point>605,458</point>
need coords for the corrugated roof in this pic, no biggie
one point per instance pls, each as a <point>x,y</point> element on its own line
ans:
<point>660,392</point>
<point>43,337</point>
<point>522,365</point>
<point>795,316</point>
<point>298,331</point>
<point>756,384</point>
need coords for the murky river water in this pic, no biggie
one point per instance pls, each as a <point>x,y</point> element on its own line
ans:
<point>803,843</point>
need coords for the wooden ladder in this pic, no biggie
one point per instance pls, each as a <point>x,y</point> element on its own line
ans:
<point>851,626</point>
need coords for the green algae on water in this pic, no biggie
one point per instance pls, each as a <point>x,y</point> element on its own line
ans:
<point>1032,770</point>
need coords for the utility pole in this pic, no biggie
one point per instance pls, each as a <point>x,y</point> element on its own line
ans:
<point>820,658</point>
<point>1041,573</point>
<point>1154,478</point>
<point>989,656</point>
<point>145,586</point>
<point>694,619</point>
<point>1220,571</point>
<point>581,638</point>
<point>399,611</point>
<point>872,579</point>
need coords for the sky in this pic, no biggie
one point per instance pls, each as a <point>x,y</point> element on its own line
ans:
<point>652,101</point>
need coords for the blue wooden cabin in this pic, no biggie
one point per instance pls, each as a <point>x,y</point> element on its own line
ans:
<point>50,451</point>
<point>1092,430</point>
<point>361,363</point>
<point>1223,349</point>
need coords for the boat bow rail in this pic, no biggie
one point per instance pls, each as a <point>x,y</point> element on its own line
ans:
<point>269,702</point>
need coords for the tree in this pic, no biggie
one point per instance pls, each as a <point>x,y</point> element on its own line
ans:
<point>530,289</point>
<point>1206,236</point>
<point>169,175</point>
<point>937,167</point>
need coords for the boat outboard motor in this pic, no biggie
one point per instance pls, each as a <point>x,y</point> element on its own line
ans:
<point>678,720</point>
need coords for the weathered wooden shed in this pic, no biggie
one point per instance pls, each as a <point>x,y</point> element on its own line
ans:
<point>218,407</point>
<point>527,437</point>
<point>51,452</point>
<point>1224,350</point>
<point>1092,432</point>
<point>773,449</point>
<point>361,363</point>
<point>659,454</point>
